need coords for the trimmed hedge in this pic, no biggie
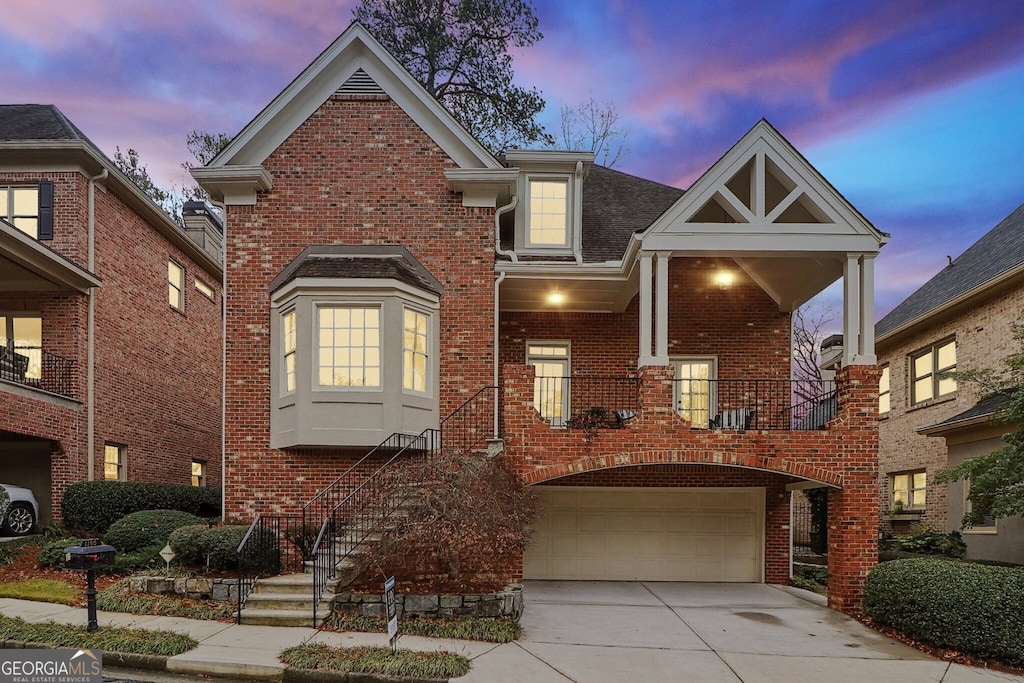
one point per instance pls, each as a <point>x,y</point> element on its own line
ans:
<point>147,527</point>
<point>96,505</point>
<point>192,544</point>
<point>975,609</point>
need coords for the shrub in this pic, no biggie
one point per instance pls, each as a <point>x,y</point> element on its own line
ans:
<point>96,505</point>
<point>148,527</point>
<point>52,554</point>
<point>193,544</point>
<point>973,608</point>
<point>924,540</point>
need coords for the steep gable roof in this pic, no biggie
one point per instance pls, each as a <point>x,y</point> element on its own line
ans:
<point>997,254</point>
<point>615,206</point>
<point>357,55</point>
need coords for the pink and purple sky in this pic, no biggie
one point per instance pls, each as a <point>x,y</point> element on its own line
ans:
<point>913,109</point>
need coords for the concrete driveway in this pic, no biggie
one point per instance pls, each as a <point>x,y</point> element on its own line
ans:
<point>619,631</point>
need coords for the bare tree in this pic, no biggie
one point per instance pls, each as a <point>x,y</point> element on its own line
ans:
<point>809,326</point>
<point>594,126</point>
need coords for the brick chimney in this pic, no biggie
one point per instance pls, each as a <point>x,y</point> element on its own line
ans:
<point>203,227</point>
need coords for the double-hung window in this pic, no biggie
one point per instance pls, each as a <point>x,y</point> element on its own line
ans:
<point>22,338</point>
<point>349,346</point>
<point>288,349</point>
<point>548,213</point>
<point>550,362</point>
<point>198,473</point>
<point>909,490</point>
<point>29,208</point>
<point>883,392</point>
<point>175,285</point>
<point>694,389</point>
<point>414,351</point>
<point>114,466</point>
<point>928,369</point>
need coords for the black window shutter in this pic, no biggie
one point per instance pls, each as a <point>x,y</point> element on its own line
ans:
<point>45,210</point>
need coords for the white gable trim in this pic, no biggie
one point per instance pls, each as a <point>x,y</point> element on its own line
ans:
<point>353,50</point>
<point>840,228</point>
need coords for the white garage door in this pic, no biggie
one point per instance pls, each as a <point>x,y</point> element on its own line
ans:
<point>649,534</point>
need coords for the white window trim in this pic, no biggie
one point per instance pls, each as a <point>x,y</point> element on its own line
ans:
<point>204,289</point>
<point>122,461</point>
<point>544,248</point>
<point>556,423</point>
<point>180,287</point>
<point>430,354</point>
<point>676,362</point>
<point>315,351</point>
<point>886,372</point>
<point>933,351</point>
<point>910,488</point>
<point>11,217</point>
<point>202,473</point>
<point>284,352</point>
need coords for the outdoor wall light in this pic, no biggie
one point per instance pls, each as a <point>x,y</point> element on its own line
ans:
<point>556,297</point>
<point>724,279</point>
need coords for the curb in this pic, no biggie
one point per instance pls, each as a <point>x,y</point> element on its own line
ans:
<point>129,660</point>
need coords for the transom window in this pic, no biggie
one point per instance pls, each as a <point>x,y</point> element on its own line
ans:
<point>908,490</point>
<point>20,206</point>
<point>288,347</point>
<point>883,391</point>
<point>551,383</point>
<point>548,213</point>
<point>22,338</point>
<point>349,347</point>
<point>114,462</point>
<point>206,289</point>
<point>175,285</point>
<point>414,353</point>
<point>927,369</point>
<point>693,390</point>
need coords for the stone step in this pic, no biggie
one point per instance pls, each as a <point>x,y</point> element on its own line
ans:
<point>279,617</point>
<point>280,601</point>
<point>291,584</point>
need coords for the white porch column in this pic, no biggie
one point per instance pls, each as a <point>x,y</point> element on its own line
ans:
<point>661,313</point>
<point>851,309</point>
<point>646,294</point>
<point>866,348</point>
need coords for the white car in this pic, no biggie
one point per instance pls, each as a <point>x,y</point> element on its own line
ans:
<point>23,511</point>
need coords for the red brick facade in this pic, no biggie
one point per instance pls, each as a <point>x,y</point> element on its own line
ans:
<point>358,171</point>
<point>157,370</point>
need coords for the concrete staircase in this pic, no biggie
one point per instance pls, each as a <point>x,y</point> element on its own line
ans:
<point>285,600</point>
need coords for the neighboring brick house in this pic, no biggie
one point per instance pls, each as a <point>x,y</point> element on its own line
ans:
<point>110,320</point>
<point>958,320</point>
<point>383,268</point>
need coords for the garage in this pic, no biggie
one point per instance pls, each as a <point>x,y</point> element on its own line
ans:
<point>648,534</point>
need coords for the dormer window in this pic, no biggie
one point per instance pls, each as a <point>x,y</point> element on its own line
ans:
<point>548,220</point>
<point>548,213</point>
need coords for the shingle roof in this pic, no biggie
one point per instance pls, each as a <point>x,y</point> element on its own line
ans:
<point>36,122</point>
<point>616,205</point>
<point>986,407</point>
<point>999,250</point>
<point>362,261</point>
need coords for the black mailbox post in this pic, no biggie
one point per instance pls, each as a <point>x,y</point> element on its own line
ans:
<point>89,556</point>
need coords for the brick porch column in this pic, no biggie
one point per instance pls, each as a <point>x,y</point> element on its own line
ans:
<point>853,510</point>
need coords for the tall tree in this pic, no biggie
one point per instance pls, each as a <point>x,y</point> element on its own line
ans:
<point>203,147</point>
<point>593,126</point>
<point>131,165</point>
<point>459,51</point>
<point>997,479</point>
<point>809,325</point>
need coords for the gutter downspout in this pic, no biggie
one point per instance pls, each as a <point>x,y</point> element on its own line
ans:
<point>577,214</point>
<point>497,287</point>
<point>90,344</point>
<point>223,348</point>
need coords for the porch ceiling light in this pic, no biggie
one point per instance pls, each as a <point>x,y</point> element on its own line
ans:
<point>555,297</point>
<point>724,279</point>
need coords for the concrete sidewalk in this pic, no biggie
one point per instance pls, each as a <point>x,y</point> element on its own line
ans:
<point>597,632</point>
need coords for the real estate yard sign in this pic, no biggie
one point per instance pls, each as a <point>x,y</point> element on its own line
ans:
<point>389,599</point>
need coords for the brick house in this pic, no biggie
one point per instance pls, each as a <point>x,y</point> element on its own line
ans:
<point>959,319</point>
<point>110,320</point>
<point>384,270</point>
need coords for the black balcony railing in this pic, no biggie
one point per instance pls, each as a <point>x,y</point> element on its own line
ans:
<point>38,368</point>
<point>759,404</point>
<point>582,401</point>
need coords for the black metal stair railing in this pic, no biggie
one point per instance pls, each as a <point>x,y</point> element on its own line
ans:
<point>757,404</point>
<point>273,545</point>
<point>370,501</point>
